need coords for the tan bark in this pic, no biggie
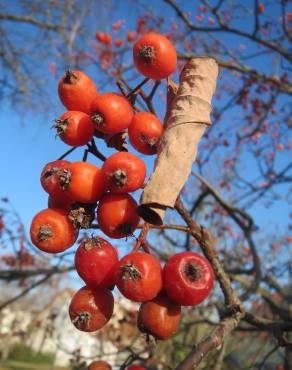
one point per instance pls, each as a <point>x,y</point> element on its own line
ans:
<point>187,118</point>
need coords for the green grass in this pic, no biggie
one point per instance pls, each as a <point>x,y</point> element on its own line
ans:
<point>24,354</point>
<point>19,365</point>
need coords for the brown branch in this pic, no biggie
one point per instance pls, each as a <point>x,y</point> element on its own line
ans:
<point>146,99</point>
<point>235,310</point>
<point>25,291</point>
<point>10,275</point>
<point>220,359</point>
<point>67,153</point>
<point>245,222</point>
<point>224,28</point>
<point>272,282</point>
<point>141,240</point>
<point>214,340</point>
<point>92,148</point>
<point>30,20</point>
<point>262,323</point>
<point>137,88</point>
<point>283,87</point>
<point>278,308</point>
<point>158,227</point>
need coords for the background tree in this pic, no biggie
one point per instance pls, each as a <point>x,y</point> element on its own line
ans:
<point>239,188</point>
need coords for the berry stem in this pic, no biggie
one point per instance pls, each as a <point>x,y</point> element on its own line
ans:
<point>138,87</point>
<point>92,148</point>
<point>141,240</point>
<point>70,77</point>
<point>67,153</point>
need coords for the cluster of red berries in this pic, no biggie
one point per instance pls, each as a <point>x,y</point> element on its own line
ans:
<point>102,365</point>
<point>76,189</point>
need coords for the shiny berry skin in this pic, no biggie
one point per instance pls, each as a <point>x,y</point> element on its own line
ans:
<point>51,231</point>
<point>84,182</point>
<point>138,276</point>
<point>99,365</point>
<point>95,262</point>
<point>117,215</point>
<point>111,113</point>
<point>188,278</point>
<point>63,202</point>
<point>90,309</point>
<point>75,128</point>
<point>50,178</point>
<point>77,91</point>
<point>159,317</point>
<point>145,132</point>
<point>124,172</point>
<point>154,56</point>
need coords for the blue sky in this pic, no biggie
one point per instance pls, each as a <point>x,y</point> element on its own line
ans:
<point>27,141</point>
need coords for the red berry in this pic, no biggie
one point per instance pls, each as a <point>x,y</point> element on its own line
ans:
<point>145,132</point>
<point>50,178</point>
<point>90,309</point>
<point>188,278</point>
<point>107,39</point>
<point>95,262</point>
<point>111,113</point>
<point>52,231</point>
<point>154,56</point>
<point>76,91</point>
<point>124,172</point>
<point>261,8</point>
<point>117,215</point>
<point>75,128</point>
<point>99,365</point>
<point>118,43</point>
<point>100,36</point>
<point>159,317</point>
<point>131,35</point>
<point>83,182</point>
<point>138,276</point>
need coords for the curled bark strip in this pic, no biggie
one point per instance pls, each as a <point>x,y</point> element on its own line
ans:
<point>187,118</point>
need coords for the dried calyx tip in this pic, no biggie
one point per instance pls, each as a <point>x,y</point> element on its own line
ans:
<point>146,53</point>
<point>61,125</point>
<point>192,271</point>
<point>64,178</point>
<point>51,171</point>
<point>92,242</point>
<point>130,272</point>
<point>82,318</point>
<point>45,232</point>
<point>97,118</point>
<point>70,77</point>
<point>82,215</point>
<point>119,177</point>
<point>150,141</point>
